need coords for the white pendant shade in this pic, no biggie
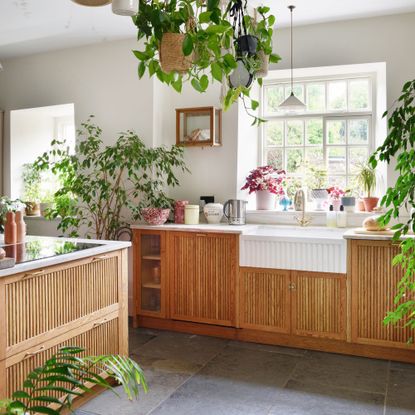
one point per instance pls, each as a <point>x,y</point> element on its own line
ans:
<point>92,3</point>
<point>292,103</point>
<point>125,7</point>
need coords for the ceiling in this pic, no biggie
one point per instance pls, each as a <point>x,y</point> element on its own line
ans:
<point>35,26</point>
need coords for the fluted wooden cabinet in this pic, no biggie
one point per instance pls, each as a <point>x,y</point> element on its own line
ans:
<point>293,302</point>
<point>81,303</point>
<point>373,287</point>
<point>202,270</point>
<point>265,299</point>
<point>318,304</point>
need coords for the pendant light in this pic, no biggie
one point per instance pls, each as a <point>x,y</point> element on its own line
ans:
<point>125,7</point>
<point>292,103</point>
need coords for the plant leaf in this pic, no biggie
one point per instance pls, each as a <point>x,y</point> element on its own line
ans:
<point>187,46</point>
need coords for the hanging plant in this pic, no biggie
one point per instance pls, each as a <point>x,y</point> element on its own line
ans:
<point>200,42</point>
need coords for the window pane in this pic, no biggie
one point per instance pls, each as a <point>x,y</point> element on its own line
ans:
<point>275,158</point>
<point>274,97</point>
<point>314,131</point>
<point>337,95</point>
<point>357,157</point>
<point>274,133</point>
<point>294,159</point>
<point>336,132</point>
<point>298,90</point>
<point>358,94</point>
<point>315,157</point>
<point>316,97</point>
<point>336,160</point>
<point>358,131</point>
<point>295,133</point>
<point>338,181</point>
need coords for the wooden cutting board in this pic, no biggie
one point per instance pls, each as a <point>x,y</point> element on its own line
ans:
<point>363,231</point>
<point>7,263</point>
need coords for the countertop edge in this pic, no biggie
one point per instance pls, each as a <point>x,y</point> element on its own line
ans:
<point>107,246</point>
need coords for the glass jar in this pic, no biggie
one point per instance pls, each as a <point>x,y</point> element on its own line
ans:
<point>179,206</point>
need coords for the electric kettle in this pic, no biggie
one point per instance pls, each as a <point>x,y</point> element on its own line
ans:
<point>235,211</point>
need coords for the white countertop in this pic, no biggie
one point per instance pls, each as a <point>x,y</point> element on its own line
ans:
<point>201,227</point>
<point>387,236</point>
<point>106,246</point>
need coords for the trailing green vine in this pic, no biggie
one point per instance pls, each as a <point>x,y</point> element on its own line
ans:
<point>400,144</point>
<point>209,40</point>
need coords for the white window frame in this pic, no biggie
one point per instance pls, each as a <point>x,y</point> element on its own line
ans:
<point>317,77</point>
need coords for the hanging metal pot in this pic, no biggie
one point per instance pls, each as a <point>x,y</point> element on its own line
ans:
<point>247,44</point>
<point>240,76</point>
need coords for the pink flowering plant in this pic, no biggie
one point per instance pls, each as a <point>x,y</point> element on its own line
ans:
<point>335,193</point>
<point>265,178</point>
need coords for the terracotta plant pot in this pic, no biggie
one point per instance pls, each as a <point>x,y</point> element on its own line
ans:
<point>32,208</point>
<point>155,216</point>
<point>370,203</point>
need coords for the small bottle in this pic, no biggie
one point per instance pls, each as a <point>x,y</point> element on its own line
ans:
<point>341,218</point>
<point>10,229</point>
<point>331,218</point>
<point>20,227</point>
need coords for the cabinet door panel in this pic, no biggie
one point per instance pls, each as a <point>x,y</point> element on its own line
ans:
<point>374,285</point>
<point>265,299</point>
<point>203,277</point>
<point>319,304</point>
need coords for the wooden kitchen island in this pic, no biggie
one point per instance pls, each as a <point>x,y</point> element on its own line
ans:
<point>64,292</point>
<point>197,279</point>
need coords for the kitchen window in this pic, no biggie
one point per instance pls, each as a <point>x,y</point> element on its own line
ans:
<point>330,139</point>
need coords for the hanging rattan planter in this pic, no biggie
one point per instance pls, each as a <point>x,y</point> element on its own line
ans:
<point>172,58</point>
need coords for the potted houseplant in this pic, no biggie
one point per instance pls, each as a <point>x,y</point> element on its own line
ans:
<point>266,182</point>
<point>103,187</point>
<point>366,179</point>
<point>203,39</point>
<point>348,200</point>
<point>335,194</point>
<point>31,189</point>
<point>316,180</point>
<point>52,387</point>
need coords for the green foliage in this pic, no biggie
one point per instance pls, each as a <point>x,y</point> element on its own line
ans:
<point>400,144</point>
<point>68,375</point>
<point>31,183</point>
<point>209,36</point>
<point>104,184</point>
<point>366,178</point>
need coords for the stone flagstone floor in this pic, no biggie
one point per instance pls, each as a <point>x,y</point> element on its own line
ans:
<point>199,375</point>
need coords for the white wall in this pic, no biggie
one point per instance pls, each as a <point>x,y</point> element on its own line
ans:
<point>102,79</point>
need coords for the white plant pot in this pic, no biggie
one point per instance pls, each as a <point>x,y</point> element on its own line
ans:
<point>125,7</point>
<point>265,200</point>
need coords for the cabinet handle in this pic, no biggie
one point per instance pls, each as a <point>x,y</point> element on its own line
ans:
<point>291,286</point>
<point>99,258</point>
<point>31,354</point>
<point>99,323</point>
<point>34,274</point>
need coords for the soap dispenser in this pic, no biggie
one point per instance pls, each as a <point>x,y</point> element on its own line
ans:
<point>331,217</point>
<point>341,218</point>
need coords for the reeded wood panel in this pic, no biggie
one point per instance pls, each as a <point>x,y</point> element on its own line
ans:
<point>203,277</point>
<point>264,299</point>
<point>100,340</point>
<point>319,304</point>
<point>374,285</point>
<point>39,303</point>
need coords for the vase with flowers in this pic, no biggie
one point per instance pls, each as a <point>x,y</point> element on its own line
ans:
<point>267,183</point>
<point>335,195</point>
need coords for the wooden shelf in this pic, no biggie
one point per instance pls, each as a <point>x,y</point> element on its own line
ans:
<point>151,285</point>
<point>152,257</point>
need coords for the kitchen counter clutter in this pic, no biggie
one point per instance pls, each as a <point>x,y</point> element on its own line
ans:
<point>314,287</point>
<point>63,292</point>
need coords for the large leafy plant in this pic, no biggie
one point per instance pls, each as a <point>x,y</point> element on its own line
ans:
<point>52,387</point>
<point>209,38</point>
<point>400,144</point>
<point>104,186</point>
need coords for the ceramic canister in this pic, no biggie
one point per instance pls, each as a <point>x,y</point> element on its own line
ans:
<point>179,206</point>
<point>191,214</point>
<point>213,212</point>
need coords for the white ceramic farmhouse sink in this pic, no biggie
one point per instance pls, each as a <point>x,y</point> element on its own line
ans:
<point>318,249</point>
